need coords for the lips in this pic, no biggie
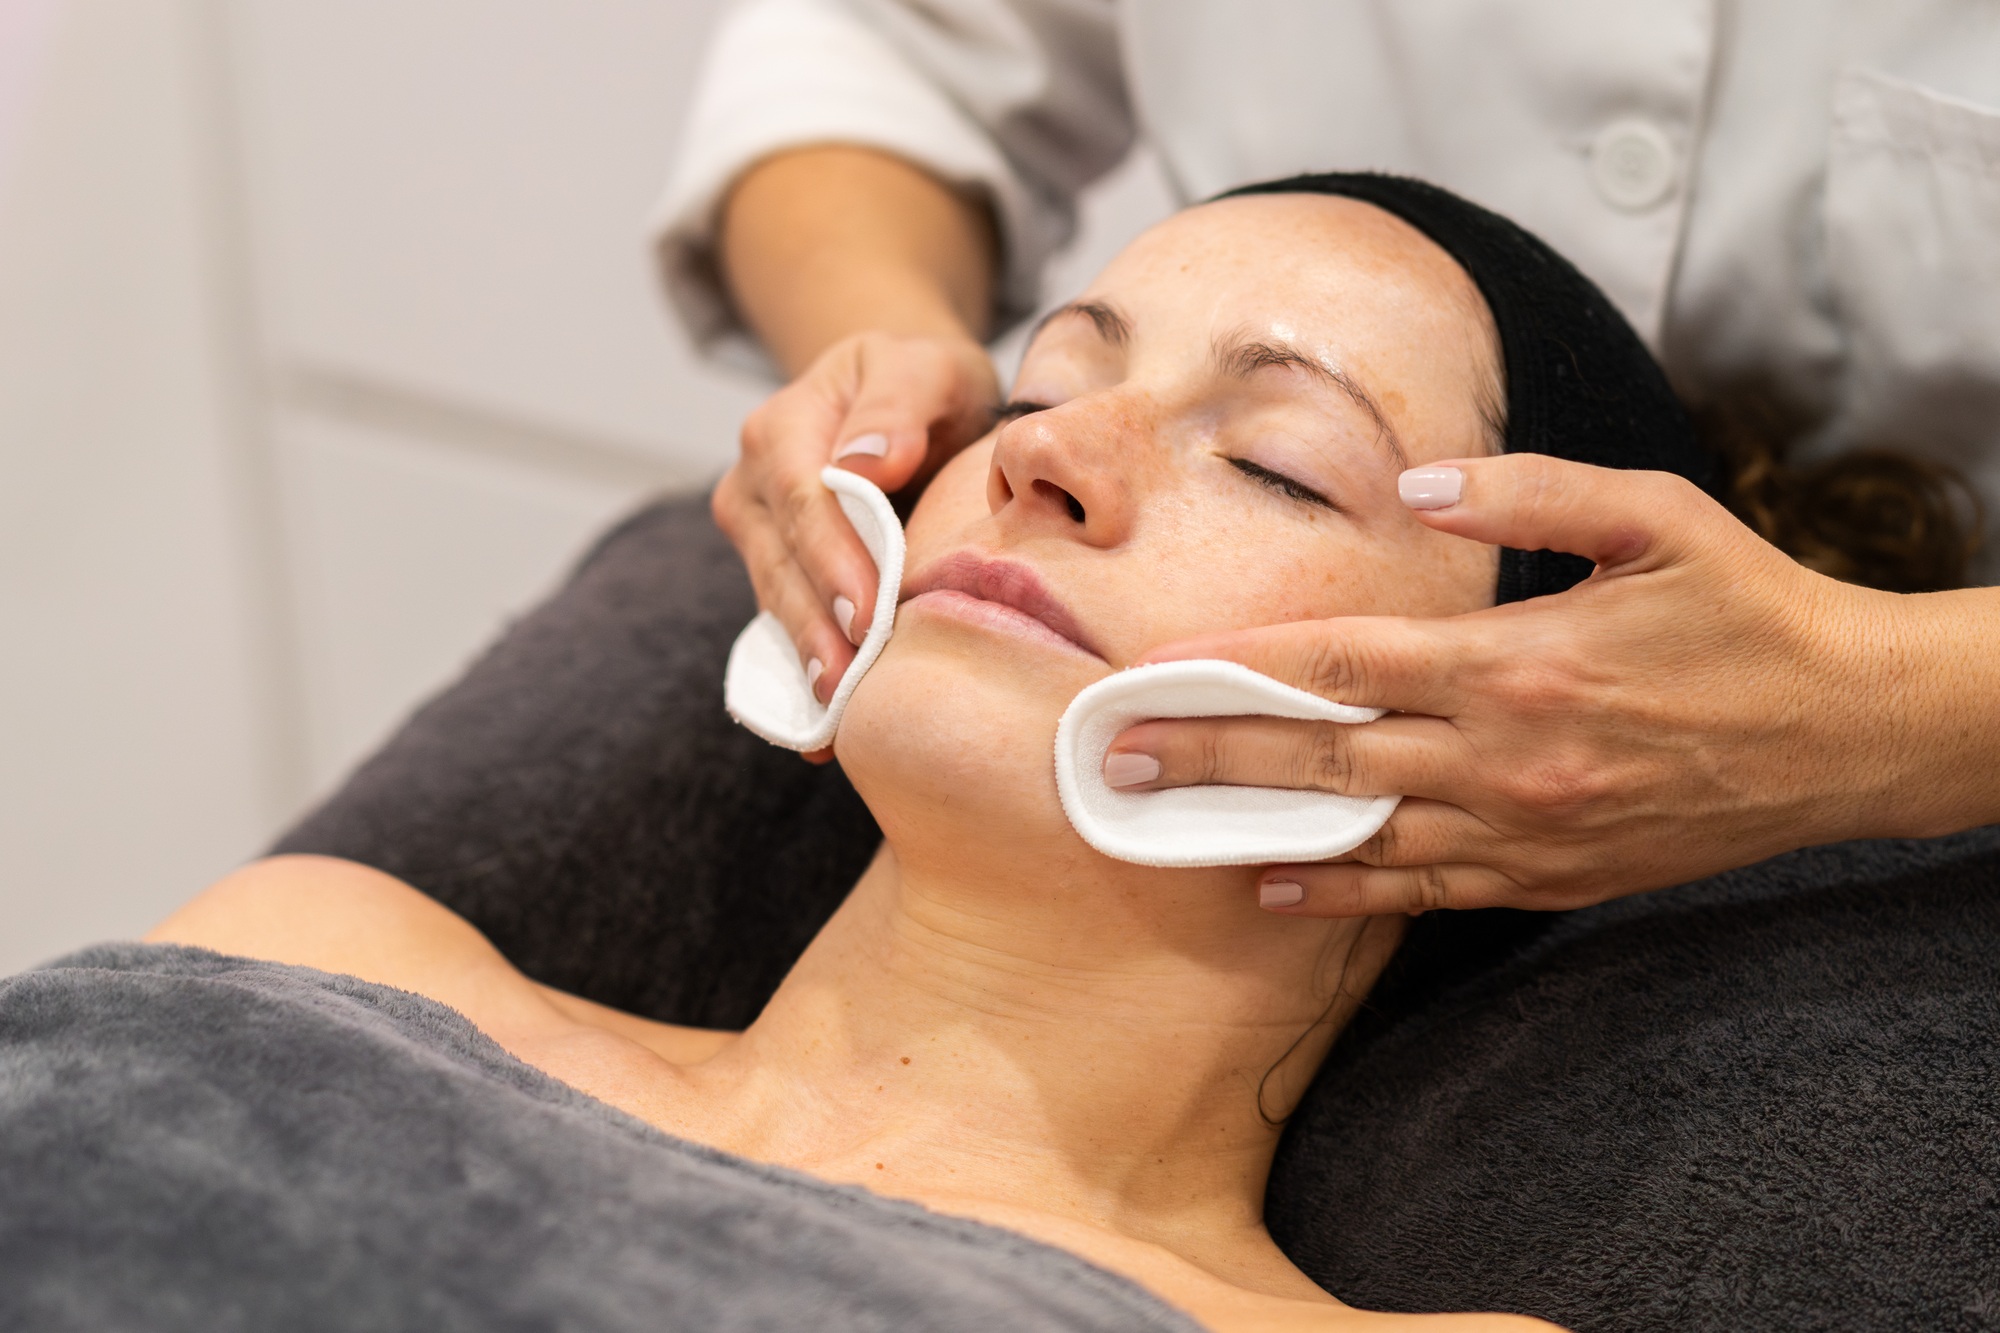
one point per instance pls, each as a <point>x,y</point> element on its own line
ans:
<point>1004,583</point>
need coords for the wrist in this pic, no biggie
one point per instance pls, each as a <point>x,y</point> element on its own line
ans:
<point>1938,700</point>
<point>860,301</point>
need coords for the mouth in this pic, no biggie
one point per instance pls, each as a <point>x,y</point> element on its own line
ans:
<point>1001,594</point>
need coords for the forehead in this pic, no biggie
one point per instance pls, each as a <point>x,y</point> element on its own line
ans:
<point>1335,282</point>
<point>1325,263</point>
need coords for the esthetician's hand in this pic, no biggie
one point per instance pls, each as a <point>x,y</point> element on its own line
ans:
<point>1701,702</point>
<point>893,409</point>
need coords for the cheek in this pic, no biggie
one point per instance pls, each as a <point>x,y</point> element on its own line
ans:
<point>955,499</point>
<point>1196,577</point>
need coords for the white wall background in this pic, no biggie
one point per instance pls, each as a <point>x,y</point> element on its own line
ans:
<point>327,339</point>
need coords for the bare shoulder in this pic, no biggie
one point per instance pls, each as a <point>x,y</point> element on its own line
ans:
<point>340,916</point>
<point>1313,1318</point>
<point>1361,1322</point>
<point>1254,1313</point>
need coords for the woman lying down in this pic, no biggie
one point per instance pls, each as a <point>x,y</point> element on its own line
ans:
<point>1081,1090</point>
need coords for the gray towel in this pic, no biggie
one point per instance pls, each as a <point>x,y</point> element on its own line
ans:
<point>189,1141</point>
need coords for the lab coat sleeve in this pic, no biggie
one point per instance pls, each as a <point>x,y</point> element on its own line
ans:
<point>1022,102</point>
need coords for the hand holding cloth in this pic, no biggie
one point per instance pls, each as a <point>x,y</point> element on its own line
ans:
<point>1659,694</point>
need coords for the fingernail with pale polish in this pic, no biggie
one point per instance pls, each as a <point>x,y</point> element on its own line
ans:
<point>874,446</point>
<point>814,670</point>
<point>843,614</point>
<point>1431,487</point>
<point>1129,770</point>
<point>1280,893</point>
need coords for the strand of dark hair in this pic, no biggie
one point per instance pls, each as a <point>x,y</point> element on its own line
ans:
<point>1340,992</point>
<point>1876,517</point>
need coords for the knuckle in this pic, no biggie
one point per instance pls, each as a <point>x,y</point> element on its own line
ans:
<point>1329,668</point>
<point>1552,682</point>
<point>1528,486</point>
<point>1537,489</point>
<point>755,435</point>
<point>1676,494</point>
<point>1382,848</point>
<point>725,504</point>
<point>1210,757</point>
<point>1326,761</point>
<point>1428,888</point>
<point>1561,788</point>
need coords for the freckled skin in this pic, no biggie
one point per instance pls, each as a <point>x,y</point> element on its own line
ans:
<point>1176,541</point>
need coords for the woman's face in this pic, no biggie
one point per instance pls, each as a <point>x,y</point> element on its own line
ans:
<point>1209,439</point>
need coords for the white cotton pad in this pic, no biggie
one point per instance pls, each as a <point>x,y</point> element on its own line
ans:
<point>765,686</point>
<point>1203,826</point>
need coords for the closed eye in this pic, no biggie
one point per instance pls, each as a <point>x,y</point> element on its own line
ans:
<point>1282,484</point>
<point>1015,410</point>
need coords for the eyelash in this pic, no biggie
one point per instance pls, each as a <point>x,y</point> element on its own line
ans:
<point>1277,481</point>
<point>1282,484</point>
<point>1014,411</point>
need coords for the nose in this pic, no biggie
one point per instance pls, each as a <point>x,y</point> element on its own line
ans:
<point>1069,468</point>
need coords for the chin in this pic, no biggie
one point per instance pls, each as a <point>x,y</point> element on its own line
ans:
<point>950,739</point>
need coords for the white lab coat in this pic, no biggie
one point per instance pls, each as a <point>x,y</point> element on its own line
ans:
<point>1797,195</point>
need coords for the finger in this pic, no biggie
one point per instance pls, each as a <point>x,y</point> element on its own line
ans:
<point>1622,519</point>
<point>1398,755</point>
<point>784,590</point>
<point>823,652</point>
<point>1424,832</point>
<point>823,545</point>
<point>1409,666</point>
<point>783,490</point>
<point>1362,890</point>
<point>905,394</point>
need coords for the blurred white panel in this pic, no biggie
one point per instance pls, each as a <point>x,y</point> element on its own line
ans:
<point>407,559</point>
<point>130,767</point>
<point>24,34</point>
<point>1117,208</point>
<point>450,196</point>
<point>1126,202</point>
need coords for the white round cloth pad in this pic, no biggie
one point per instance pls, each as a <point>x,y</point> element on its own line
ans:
<point>1211,825</point>
<point>765,687</point>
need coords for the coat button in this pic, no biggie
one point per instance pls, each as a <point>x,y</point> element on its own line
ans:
<point>1632,164</point>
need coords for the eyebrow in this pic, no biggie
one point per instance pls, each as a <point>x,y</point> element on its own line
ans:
<point>1239,358</point>
<point>1113,324</point>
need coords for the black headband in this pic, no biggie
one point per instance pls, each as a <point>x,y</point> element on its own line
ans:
<point>1580,383</point>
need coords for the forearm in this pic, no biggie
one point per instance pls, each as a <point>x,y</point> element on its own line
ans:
<point>826,242</point>
<point>1944,671</point>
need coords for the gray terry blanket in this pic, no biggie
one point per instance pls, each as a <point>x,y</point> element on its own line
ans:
<point>189,1141</point>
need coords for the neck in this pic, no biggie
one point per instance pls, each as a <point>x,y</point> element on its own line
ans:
<point>1112,1045</point>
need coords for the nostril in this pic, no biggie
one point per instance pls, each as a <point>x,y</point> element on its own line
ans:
<point>1070,502</point>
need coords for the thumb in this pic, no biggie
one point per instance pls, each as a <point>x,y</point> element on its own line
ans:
<point>1624,520</point>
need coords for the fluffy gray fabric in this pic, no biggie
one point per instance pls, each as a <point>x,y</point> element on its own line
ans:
<point>1766,1101</point>
<point>1770,1100</point>
<point>189,1141</point>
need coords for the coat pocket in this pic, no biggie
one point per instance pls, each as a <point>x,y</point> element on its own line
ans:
<point>1912,219</point>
